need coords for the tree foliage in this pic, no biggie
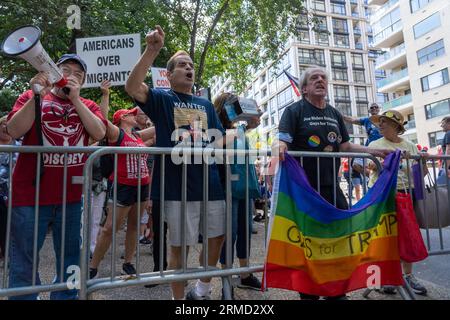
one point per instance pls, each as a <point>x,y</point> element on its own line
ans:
<point>222,36</point>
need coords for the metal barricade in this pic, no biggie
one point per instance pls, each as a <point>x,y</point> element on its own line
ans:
<point>41,153</point>
<point>88,286</point>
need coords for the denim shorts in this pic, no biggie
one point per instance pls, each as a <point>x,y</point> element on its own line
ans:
<point>127,195</point>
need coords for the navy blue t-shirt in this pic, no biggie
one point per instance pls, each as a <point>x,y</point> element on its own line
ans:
<point>192,116</point>
<point>373,133</point>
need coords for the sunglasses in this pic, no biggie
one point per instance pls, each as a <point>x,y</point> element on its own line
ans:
<point>373,108</point>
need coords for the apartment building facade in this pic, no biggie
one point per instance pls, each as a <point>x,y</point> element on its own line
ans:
<point>416,37</point>
<point>340,43</point>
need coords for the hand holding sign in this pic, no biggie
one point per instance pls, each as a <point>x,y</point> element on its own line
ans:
<point>104,87</point>
<point>155,39</point>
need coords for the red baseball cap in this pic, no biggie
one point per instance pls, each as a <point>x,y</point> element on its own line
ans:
<point>121,112</point>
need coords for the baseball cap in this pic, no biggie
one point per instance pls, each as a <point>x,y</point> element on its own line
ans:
<point>121,112</point>
<point>73,57</point>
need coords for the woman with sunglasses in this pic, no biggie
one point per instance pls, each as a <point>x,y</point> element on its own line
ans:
<point>371,129</point>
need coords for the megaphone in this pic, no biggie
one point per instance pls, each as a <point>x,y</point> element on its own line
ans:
<point>25,42</point>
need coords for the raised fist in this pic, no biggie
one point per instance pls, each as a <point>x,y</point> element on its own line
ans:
<point>155,39</point>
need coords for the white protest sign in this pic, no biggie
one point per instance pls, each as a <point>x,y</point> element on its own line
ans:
<point>110,57</point>
<point>159,78</point>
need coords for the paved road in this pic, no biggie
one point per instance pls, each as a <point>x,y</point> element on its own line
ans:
<point>434,271</point>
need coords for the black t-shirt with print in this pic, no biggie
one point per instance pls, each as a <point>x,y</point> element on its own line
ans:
<point>309,128</point>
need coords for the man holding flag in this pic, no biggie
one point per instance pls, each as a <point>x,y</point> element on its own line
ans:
<point>311,124</point>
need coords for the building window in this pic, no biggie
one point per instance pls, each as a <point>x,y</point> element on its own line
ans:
<point>263,78</point>
<point>322,39</point>
<point>273,119</point>
<point>321,24</point>
<point>437,109</point>
<point>361,93</point>
<point>358,76</point>
<point>411,124</point>
<point>340,74</point>
<point>341,93</point>
<point>417,4</point>
<point>357,61</point>
<point>361,109</point>
<point>264,107</point>
<point>431,52</point>
<point>340,26</point>
<point>346,109</point>
<point>382,98</point>
<point>311,56</point>
<point>427,25</point>
<point>285,97</point>
<point>341,41</point>
<point>303,36</point>
<point>318,5</point>
<point>273,86</point>
<point>435,138</point>
<point>435,80</point>
<point>263,93</point>
<point>338,8</point>
<point>388,24</point>
<point>338,59</point>
<point>265,122</point>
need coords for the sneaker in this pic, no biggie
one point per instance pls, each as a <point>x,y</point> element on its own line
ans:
<point>128,268</point>
<point>192,295</point>
<point>93,273</point>
<point>415,285</point>
<point>388,290</point>
<point>251,282</point>
<point>145,241</point>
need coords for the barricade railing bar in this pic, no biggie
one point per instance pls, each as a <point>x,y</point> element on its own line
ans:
<point>184,272</point>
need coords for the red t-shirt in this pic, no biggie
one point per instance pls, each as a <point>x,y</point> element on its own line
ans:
<point>128,164</point>
<point>61,126</point>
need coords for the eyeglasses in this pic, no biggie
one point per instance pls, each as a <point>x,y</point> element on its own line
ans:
<point>68,71</point>
<point>374,107</point>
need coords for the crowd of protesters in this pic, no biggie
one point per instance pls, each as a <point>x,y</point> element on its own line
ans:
<point>67,119</point>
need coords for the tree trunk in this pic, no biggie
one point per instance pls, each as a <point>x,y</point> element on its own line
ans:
<point>208,42</point>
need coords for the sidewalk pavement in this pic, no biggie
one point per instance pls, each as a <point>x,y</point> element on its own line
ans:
<point>162,292</point>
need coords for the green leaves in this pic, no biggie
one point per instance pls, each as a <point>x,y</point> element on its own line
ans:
<point>223,36</point>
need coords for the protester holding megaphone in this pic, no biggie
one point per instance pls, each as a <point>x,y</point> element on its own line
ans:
<point>60,119</point>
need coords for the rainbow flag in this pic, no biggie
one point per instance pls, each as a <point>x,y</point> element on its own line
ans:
<point>315,248</point>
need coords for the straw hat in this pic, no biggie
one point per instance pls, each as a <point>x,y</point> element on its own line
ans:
<point>392,115</point>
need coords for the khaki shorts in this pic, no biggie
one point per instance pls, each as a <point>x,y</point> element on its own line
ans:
<point>194,220</point>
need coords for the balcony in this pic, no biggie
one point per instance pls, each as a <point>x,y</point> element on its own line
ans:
<point>394,58</point>
<point>359,46</point>
<point>376,2</point>
<point>398,104</point>
<point>389,36</point>
<point>383,10</point>
<point>398,80</point>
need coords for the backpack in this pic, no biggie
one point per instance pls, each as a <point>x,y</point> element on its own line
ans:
<point>107,160</point>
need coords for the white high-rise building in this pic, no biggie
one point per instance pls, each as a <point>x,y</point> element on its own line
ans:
<point>416,37</point>
<point>340,44</point>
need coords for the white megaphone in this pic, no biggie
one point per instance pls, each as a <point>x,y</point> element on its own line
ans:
<point>24,42</point>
